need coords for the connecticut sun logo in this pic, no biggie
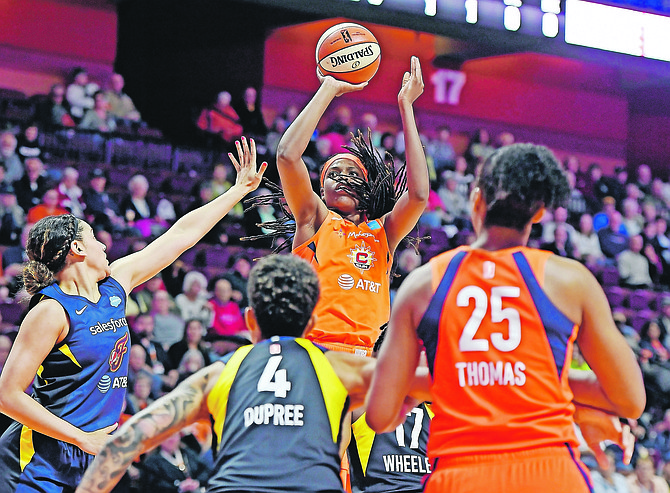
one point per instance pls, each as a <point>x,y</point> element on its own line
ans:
<point>362,257</point>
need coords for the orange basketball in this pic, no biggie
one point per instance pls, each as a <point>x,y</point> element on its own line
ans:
<point>348,52</point>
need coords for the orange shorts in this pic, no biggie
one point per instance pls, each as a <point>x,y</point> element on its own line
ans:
<point>345,348</point>
<point>546,469</point>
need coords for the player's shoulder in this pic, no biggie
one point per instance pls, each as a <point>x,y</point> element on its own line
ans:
<point>567,272</point>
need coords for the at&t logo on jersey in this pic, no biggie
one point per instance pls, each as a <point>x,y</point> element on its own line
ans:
<point>116,356</point>
<point>347,282</point>
<point>362,257</point>
<point>106,382</point>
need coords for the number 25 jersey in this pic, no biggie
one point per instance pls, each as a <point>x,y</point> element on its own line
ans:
<point>499,352</point>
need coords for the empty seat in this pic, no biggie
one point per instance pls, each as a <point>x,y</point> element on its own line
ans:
<point>638,319</point>
<point>610,276</point>
<point>641,299</point>
<point>616,296</point>
<point>11,313</point>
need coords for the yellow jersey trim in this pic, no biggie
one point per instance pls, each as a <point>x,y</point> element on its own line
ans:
<point>65,349</point>
<point>333,391</point>
<point>365,437</point>
<point>218,397</point>
<point>26,447</point>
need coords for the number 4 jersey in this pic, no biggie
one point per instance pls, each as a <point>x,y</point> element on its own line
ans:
<point>499,352</point>
<point>278,409</point>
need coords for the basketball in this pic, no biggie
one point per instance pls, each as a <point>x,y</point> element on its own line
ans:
<point>348,52</point>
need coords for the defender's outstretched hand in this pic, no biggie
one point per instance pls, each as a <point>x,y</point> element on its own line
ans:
<point>412,83</point>
<point>245,165</point>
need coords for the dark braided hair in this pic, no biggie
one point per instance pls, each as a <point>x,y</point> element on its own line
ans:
<point>47,248</point>
<point>518,180</point>
<point>376,196</point>
<point>283,291</point>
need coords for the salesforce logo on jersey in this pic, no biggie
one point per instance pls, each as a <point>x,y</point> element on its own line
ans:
<point>113,324</point>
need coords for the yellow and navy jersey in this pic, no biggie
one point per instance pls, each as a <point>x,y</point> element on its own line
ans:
<point>280,404</point>
<point>353,263</point>
<point>393,461</point>
<point>84,378</point>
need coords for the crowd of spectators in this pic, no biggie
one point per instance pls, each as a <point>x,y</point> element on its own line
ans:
<point>615,223</point>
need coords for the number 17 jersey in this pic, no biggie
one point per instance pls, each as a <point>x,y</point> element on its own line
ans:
<point>499,352</point>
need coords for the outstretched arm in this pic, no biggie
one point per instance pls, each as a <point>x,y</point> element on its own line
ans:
<point>181,407</point>
<point>307,207</point>
<point>398,359</point>
<point>411,205</point>
<point>134,269</point>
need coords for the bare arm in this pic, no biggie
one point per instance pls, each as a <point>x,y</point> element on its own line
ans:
<point>44,326</point>
<point>181,407</point>
<point>399,355</point>
<point>307,207</point>
<point>134,269</point>
<point>411,205</point>
<point>576,293</point>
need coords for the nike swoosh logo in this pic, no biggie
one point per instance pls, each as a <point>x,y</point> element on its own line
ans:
<point>81,310</point>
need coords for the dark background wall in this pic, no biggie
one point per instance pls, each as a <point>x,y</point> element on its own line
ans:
<point>178,55</point>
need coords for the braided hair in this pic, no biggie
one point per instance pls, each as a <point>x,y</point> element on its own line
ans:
<point>47,248</point>
<point>376,195</point>
<point>283,291</point>
<point>517,181</point>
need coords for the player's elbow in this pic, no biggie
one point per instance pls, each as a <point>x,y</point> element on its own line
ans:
<point>419,196</point>
<point>633,406</point>
<point>379,422</point>
<point>286,155</point>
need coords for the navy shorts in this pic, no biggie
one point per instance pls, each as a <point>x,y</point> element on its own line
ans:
<point>32,462</point>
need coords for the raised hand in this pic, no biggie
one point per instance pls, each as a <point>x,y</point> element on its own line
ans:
<point>340,87</point>
<point>412,83</point>
<point>245,165</point>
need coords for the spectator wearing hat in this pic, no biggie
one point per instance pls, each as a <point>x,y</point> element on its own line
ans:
<point>12,216</point>
<point>102,209</point>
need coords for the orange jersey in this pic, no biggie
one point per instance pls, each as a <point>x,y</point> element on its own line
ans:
<point>353,264</point>
<point>499,352</point>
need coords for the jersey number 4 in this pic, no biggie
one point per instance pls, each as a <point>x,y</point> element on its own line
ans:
<point>274,380</point>
<point>468,341</point>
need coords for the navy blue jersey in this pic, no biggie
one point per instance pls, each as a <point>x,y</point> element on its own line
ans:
<point>393,461</point>
<point>83,380</point>
<point>278,409</point>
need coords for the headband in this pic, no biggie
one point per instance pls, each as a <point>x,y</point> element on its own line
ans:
<point>343,155</point>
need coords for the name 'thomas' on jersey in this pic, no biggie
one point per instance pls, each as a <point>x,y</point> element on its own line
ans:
<point>280,404</point>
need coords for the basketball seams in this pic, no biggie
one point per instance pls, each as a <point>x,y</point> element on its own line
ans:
<point>355,54</point>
